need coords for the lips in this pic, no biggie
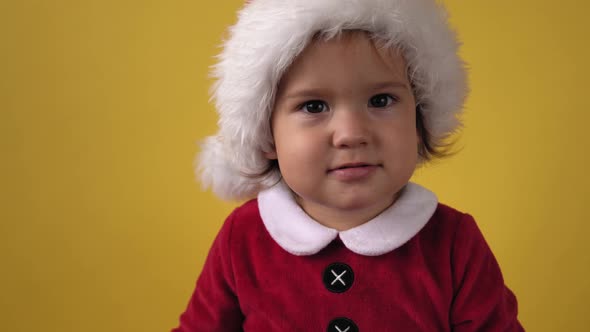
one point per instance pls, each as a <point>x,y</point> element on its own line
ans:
<point>350,165</point>
<point>353,172</point>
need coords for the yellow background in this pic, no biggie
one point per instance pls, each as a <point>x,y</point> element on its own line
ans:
<point>103,228</point>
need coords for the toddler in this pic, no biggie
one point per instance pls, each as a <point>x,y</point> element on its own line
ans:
<point>326,109</point>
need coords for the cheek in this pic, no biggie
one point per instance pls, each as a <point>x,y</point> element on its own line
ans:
<point>402,147</point>
<point>411,148</point>
<point>292,139</point>
<point>411,152</point>
<point>297,150</point>
<point>300,155</point>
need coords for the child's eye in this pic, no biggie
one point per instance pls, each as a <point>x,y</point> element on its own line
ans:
<point>314,106</point>
<point>381,100</point>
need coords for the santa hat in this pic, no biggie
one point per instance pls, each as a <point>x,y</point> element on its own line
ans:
<point>267,37</point>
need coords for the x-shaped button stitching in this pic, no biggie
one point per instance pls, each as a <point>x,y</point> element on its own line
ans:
<point>339,330</point>
<point>338,278</point>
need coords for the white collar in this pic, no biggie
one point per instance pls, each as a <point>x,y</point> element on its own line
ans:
<point>296,232</point>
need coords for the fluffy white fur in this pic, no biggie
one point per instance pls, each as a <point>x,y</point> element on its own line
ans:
<point>300,235</point>
<point>268,36</point>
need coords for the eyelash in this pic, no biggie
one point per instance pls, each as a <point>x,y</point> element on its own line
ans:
<point>324,106</point>
<point>304,107</point>
<point>390,99</point>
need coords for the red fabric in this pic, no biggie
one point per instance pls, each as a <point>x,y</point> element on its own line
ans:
<point>444,279</point>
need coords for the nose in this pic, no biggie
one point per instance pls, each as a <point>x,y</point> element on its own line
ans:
<point>350,128</point>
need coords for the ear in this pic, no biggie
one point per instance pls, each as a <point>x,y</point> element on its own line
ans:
<point>272,155</point>
<point>419,124</point>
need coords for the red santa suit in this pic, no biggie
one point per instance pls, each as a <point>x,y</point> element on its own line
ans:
<point>418,266</point>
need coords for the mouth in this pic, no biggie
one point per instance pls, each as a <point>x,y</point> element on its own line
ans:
<point>353,172</point>
<point>352,165</point>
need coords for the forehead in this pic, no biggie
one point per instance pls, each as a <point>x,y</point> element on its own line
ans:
<point>351,54</point>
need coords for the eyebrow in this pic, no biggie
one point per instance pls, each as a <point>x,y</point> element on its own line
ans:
<point>391,84</point>
<point>308,92</point>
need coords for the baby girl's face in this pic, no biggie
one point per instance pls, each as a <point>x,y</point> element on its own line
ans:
<point>344,128</point>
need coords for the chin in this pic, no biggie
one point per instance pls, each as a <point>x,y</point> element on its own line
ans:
<point>357,203</point>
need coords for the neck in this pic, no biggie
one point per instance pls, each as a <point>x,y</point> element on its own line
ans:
<point>343,219</point>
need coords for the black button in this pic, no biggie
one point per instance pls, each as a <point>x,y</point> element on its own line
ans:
<point>338,277</point>
<point>342,325</point>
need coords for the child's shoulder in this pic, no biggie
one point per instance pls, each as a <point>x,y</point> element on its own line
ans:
<point>244,217</point>
<point>451,221</point>
<point>454,225</point>
<point>246,211</point>
<point>450,214</point>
